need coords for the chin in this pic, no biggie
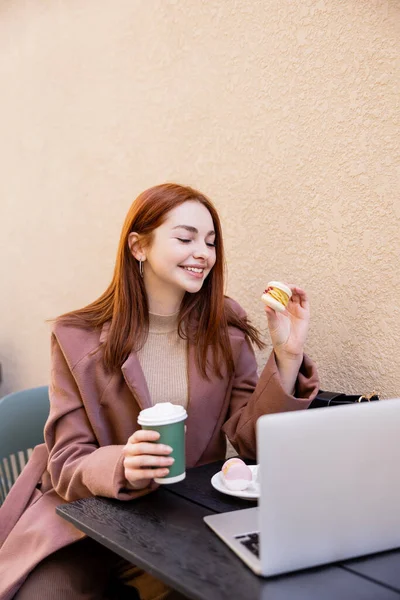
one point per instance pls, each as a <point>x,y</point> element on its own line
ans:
<point>191,287</point>
<point>194,287</point>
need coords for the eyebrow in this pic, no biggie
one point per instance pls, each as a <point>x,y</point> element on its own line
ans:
<point>192,229</point>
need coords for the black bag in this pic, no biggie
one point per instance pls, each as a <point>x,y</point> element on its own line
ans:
<point>337,398</point>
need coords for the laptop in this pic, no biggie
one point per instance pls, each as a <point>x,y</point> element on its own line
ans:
<point>329,489</point>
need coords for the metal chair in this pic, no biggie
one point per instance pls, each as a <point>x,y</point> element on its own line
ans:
<point>22,418</point>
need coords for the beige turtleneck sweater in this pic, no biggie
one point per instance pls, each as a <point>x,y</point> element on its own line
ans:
<point>163,359</point>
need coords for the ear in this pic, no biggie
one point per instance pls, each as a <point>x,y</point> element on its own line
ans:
<point>135,246</point>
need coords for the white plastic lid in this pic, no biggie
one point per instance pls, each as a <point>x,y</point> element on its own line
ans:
<point>280,286</point>
<point>162,413</point>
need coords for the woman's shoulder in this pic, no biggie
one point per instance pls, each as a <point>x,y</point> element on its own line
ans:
<point>77,341</point>
<point>236,317</point>
<point>234,307</point>
<point>239,325</point>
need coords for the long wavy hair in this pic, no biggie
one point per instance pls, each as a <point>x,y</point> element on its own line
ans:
<point>203,316</point>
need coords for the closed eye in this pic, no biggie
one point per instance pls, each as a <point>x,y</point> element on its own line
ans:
<point>187,241</point>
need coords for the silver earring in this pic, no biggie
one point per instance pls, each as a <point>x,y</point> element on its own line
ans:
<point>141,268</point>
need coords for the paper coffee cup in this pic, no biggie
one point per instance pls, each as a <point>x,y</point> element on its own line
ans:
<point>168,419</point>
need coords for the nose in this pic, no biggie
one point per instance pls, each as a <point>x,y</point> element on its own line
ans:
<point>201,251</point>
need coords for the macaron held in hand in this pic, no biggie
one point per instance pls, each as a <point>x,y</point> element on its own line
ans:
<point>276,296</point>
<point>289,320</point>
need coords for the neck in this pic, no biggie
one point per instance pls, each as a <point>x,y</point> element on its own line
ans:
<point>165,301</point>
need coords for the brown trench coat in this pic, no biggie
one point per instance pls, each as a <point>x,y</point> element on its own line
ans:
<point>92,415</point>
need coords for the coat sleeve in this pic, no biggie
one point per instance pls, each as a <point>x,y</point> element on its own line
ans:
<point>78,467</point>
<point>252,397</point>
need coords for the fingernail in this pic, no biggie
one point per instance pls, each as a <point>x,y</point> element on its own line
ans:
<point>168,448</point>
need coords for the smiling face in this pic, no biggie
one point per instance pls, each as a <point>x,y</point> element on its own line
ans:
<point>179,257</point>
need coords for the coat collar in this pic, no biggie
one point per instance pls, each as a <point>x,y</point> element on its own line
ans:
<point>104,331</point>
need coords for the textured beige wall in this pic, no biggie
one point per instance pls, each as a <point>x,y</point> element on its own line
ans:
<point>285,112</point>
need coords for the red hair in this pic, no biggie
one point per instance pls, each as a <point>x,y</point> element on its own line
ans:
<point>203,317</point>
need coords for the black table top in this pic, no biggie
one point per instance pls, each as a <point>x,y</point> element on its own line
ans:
<point>164,533</point>
<point>383,568</point>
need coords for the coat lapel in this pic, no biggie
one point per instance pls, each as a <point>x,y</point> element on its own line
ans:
<point>133,374</point>
<point>206,399</point>
<point>135,380</point>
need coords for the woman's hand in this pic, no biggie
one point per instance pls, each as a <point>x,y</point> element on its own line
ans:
<point>141,454</point>
<point>289,329</point>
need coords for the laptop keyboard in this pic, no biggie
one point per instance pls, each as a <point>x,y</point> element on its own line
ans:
<point>251,541</point>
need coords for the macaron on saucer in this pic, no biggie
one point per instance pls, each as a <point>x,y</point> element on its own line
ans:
<point>237,479</point>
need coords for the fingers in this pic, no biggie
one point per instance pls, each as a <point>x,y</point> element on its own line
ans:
<point>146,448</point>
<point>145,466</point>
<point>144,459</point>
<point>146,454</point>
<point>299,296</point>
<point>273,320</point>
<point>142,442</point>
<point>144,435</point>
<point>141,478</point>
<point>136,470</point>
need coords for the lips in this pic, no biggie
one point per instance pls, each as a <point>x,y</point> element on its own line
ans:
<point>194,269</point>
<point>196,272</point>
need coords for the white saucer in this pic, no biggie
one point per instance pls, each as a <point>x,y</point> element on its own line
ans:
<point>250,493</point>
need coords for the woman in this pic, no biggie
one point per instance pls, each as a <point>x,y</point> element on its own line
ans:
<point>162,331</point>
